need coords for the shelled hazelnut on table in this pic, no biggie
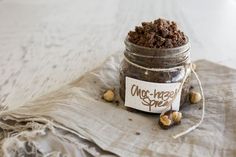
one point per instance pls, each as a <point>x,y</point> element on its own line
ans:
<point>169,119</point>
<point>109,95</point>
<point>194,97</point>
<point>177,116</point>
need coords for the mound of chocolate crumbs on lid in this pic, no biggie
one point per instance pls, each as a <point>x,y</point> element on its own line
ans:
<point>160,33</point>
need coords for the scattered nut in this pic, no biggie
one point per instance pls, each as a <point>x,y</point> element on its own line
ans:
<point>176,116</point>
<point>169,119</point>
<point>164,119</point>
<point>109,95</point>
<point>194,66</point>
<point>194,97</point>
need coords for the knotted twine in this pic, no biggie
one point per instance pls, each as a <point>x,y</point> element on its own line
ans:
<point>187,67</point>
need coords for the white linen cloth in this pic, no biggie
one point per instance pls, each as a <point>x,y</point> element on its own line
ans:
<point>76,121</point>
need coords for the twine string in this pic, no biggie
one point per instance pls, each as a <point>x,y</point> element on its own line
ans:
<point>203,108</point>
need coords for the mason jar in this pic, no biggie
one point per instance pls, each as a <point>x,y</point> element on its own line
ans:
<point>153,78</point>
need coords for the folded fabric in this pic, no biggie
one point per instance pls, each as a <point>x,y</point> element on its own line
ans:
<point>76,121</point>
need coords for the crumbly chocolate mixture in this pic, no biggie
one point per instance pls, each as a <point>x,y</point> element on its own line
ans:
<point>160,33</point>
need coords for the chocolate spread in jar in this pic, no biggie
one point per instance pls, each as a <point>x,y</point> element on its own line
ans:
<point>159,45</point>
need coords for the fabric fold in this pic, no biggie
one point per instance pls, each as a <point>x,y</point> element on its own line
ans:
<point>76,121</point>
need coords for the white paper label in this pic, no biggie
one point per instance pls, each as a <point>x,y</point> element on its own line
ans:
<point>150,96</point>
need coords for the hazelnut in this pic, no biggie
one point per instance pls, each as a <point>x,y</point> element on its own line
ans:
<point>164,119</point>
<point>176,116</point>
<point>170,119</point>
<point>109,95</point>
<point>194,97</point>
<point>194,66</point>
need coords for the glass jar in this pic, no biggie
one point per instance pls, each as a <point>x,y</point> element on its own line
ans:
<point>154,67</point>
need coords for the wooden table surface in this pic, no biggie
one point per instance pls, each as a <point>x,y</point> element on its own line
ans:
<point>45,44</point>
